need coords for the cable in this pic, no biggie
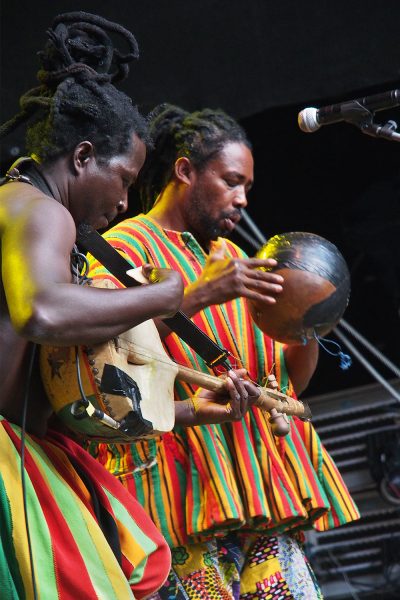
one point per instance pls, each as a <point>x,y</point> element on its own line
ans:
<point>345,359</point>
<point>79,267</point>
<point>78,408</point>
<point>23,429</point>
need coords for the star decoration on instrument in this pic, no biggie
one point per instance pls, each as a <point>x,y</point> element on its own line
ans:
<point>56,360</point>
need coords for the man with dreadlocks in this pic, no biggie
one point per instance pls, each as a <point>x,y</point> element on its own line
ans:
<point>231,499</point>
<point>68,529</point>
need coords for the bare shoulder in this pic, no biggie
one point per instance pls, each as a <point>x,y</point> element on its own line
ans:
<point>28,208</point>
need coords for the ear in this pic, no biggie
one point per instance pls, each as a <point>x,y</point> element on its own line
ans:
<point>184,170</point>
<point>83,153</point>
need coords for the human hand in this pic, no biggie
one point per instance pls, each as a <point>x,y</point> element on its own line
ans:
<point>229,404</point>
<point>171,284</point>
<point>224,278</point>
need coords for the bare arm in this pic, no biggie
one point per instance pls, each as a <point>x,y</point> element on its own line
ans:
<point>301,362</point>
<point>44,305</point>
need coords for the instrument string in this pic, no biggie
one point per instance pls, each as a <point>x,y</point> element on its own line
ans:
<point>145,353</point>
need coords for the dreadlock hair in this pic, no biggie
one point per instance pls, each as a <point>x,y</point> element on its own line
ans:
<point>76,99</point>
<point>174,132</point>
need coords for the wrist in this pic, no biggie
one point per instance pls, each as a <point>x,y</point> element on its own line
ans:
<point>194,300</point>
<point>186,412</point>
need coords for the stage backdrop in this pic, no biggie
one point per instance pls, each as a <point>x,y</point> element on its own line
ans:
<point>245,55</point>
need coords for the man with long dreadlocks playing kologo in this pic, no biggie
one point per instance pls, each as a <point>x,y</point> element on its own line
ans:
<point>68,529</point>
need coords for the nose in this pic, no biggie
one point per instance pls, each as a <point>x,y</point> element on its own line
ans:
<point>240,200</point>
<point>122,205</point>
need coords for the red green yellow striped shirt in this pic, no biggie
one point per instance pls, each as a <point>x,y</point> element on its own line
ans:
<point>203,481</point>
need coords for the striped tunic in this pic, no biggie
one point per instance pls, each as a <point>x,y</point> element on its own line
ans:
<point>71,557</point>
<point>203,481</point>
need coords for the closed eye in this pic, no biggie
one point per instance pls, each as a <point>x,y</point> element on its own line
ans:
<point>232,184</point>
<point>236,179</point>
<point>127,182</point>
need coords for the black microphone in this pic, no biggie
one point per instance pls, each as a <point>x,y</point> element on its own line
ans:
<point>310,119</point>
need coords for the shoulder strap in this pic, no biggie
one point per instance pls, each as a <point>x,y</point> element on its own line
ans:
<point>24,169</point>
<point>180,323</point>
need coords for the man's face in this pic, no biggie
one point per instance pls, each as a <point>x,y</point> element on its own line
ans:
<point>218,193</point>
<point>103,192</point>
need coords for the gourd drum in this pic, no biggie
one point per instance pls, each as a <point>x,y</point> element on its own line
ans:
<point>316,288</point>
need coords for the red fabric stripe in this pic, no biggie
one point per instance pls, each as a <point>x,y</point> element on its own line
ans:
<point>170,458</point>
<point>140,237</point>
<point>70,570</point>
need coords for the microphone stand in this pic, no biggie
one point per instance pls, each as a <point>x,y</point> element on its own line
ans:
<point>362,118</point>
<point>387,131</point>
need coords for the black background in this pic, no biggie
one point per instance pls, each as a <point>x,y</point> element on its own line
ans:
<point>263,62</point>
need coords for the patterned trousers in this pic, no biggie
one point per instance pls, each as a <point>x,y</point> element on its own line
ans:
<point>241,567</point>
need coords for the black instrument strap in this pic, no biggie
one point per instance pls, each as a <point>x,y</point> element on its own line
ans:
<point>180,323</point>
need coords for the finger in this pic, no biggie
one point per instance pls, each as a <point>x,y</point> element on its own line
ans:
<point>232,408</point>
<point>147,269</point>
<point>240,393</point>
<point>267,263</point>
<point>264,276</point>
<point>263,287</point>
<point>253,391</point>
<point>242,372</point>
<point>260,298</point>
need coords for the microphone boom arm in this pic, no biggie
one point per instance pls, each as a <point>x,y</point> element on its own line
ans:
<point>387,131</point>
<point>359,115</point>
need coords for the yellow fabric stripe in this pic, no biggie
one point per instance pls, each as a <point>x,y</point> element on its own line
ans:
<point>79,520</point>
<point>12,482</point>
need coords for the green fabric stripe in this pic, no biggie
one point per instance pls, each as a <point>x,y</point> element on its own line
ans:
<point>297,464</point>
<point>154,248</point>
<point>139,489</point>
<point>46,582</point>
<point>127,240</point>
<point>117,458</point>
<point>139,536</point>
<point>212,463</point>
<point>11,584</point>
<point>284,379</point>
<point>72,508</point>
<point>251,458</point>
<point>261,354</point>
<point>181,475</point>
<point>171,250</point>
<point>335,498</point>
